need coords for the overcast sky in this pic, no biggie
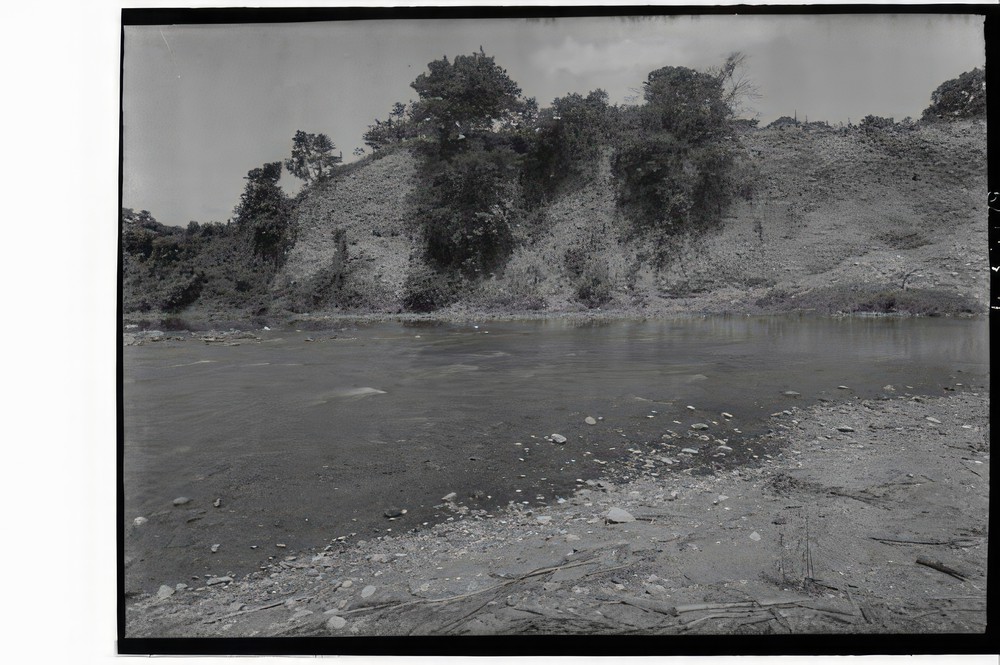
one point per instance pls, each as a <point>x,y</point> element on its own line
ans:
<point>205,104</point>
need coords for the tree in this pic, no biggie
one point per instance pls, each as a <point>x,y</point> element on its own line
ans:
<point>264,212</point>
<point>565,140</point>
<point>465,208</point>
<point>673,168</point>
<point>466,97</point>
<point>312,157</point>
<point>960,97</point>
<point>397,127</point>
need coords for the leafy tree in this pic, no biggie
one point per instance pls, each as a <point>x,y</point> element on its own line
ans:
<point>312,157</point>
<point>397,127</point>
<point>673,168</point>
<point>960,97</point>
<point>469,198</point>
<point>465,210</point>
<point>264,212</point>
<point>469,96</point>
<point>566,140</point>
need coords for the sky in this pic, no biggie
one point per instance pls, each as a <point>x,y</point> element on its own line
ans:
<point>205,104</point>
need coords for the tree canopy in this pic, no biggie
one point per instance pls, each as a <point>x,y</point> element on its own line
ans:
<point>961,97</point>
<point>312,156</point>
<point>465,96</point>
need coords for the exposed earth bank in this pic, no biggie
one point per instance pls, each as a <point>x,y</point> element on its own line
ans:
<point>859,516</point>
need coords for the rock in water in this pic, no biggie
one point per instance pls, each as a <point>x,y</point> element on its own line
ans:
<point>336,623</point>
<point>619,516</point>
<point>557,438</point>
<point>590,420</point>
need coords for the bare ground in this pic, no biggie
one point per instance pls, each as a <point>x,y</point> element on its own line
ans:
<point>861,517</point>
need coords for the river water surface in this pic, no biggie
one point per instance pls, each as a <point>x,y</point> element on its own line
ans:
<point>305,441</point>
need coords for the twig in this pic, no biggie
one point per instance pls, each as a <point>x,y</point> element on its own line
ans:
<point>953,541</point>
<point>256,609</point>
<point>449,599</point>
<point>937,565</point>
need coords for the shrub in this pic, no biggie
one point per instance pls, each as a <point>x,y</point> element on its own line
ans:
<point>593,286</point>
<point>427,290</point>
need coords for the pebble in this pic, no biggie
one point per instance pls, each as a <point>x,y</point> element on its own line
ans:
<point>139,521</point>
<point>619,516</point>
<point>699,426</point>
<point>217,503</point>
<point>164,592</point>
<point>300,614</point>
<point>215,548</point>
<point>450,496</point>
<point>690,451</point>
<point>543,519</point>
<point>726,415</point>
<point>755,536</point>
<point>791,393</point>
<point>212,581</point>
<point>336,623</point>
<point>394,512</point>
<point>934,420</point>
<point>725,449</point>
<point>590,420</point>
<point>347,584</point>
<point>845,428</point>
<point>368,591</point>
<point>181,500</point>
<point>557,438</point>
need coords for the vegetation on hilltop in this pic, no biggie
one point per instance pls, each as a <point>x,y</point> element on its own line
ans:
<point>506,196</point>
<point>961,97</point>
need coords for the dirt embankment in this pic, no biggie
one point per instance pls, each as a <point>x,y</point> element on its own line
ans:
<point>841,220</point>
<point>861,516</point>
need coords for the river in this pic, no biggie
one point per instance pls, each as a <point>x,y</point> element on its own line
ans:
<point>304,441</point>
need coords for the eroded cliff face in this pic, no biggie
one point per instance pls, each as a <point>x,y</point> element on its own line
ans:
<point>836,216</point>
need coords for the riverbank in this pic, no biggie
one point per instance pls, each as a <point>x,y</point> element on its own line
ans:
<point>864,517</point>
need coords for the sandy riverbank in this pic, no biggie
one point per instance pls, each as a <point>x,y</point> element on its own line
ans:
<point>872,518</point>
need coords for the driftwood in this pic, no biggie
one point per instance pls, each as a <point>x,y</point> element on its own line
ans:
<point>937,565</point>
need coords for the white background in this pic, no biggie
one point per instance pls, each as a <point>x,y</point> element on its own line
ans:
<point>61,66</point>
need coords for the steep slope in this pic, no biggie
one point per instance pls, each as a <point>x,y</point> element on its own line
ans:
<point>848,210</point>
<point>365,267</point>
<point>839,217</point>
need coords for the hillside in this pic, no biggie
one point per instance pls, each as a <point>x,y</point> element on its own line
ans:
<point>373,256</point>
<point>838,219</point>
